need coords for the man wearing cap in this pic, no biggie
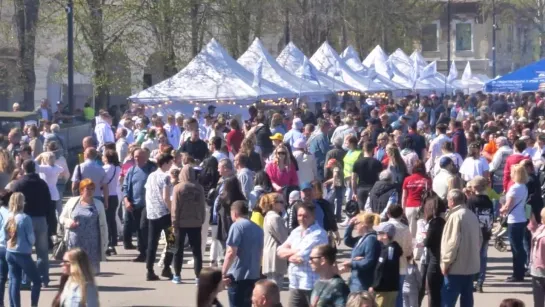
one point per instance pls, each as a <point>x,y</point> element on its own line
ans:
<point>295,132</point>
<point>307,164</point>
<point>318,145</point>
<point>386,283</point>
<point>211,110</point>
<point>173,132</point>
<point>460,251</point>
<point>445,174</point>
<point>198,117</point>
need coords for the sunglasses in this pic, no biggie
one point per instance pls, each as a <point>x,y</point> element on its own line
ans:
<point>312,258</point>
<point>282,153</point>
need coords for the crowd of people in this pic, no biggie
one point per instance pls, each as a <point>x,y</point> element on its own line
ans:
<point>417,183</point>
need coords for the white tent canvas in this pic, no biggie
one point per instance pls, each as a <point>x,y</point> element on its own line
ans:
<point>292,59</point>
<point>273,72</point>
<point>377,54</point>
<point>352,59</point>
<point>470,83</point>
<point>212,76</point>
<point>328,61</point>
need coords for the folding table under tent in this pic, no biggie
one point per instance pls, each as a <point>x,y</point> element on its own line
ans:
<point>213,77</point>
<point>271,71</point>
<point>293,59</point>
<point>328,61</point>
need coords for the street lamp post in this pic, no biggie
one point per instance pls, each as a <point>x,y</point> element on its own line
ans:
<point>448,42</point>
<point>70,53</point>
<point>494,28</point>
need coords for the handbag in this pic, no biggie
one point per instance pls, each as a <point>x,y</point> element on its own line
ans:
<point>61,245</point>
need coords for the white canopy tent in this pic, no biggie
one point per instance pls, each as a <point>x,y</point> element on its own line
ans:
<point>352,59</point>
<point>377,54</point>
<point>470,83</point>
<point>328,61</point>
<point>273,72</point>
<point>292,59</point>
<point>212,77</point>
<point>427,73</point>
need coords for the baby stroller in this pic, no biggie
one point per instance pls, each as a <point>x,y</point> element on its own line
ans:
<point>499,232</point>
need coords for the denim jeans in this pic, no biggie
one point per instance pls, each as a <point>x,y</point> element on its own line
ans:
<point>17,264</point>
<point>39,224</point>
<point>337,200</point>
<point>515,231</point>
<point>240,293</point>
<point>110,220</point>
<point>399,299</point>
<point>135,221</point>
<point>457,285</point>
<point>481,276</point>
<point>3,274</point>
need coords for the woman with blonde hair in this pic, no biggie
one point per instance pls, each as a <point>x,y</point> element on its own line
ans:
<point>78,286</point>
<point>396,165</point>
<point>282,171</point>
<point>514,209</point>
<point>365,251</point>
<point>361,299</point>
<point>84,218</point>
<point>247,147</point>
<point>277,124</point>
<point>7,165</point>
<point>18,234</point>
<point>276,233</point>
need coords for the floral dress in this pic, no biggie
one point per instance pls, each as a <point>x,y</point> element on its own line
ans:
<point>87,234</point>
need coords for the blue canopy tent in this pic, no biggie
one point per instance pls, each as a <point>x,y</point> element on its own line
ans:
<point>529,78</point>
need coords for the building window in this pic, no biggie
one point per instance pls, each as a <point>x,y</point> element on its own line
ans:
<point>430,37</point>
<point>464,37</point>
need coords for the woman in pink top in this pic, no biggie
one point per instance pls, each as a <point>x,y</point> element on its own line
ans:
<point>282,171</point>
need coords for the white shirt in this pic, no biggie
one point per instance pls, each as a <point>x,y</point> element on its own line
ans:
<point>130,136</point>
<point>440,183</point>
<point>50,174</point>
<point>150,144</point>
<point>537,159</point>
<point>112,178</point>
<point>44,114</point>
<point>454,156</point>
<point>519,193</point>
<point>173,134</point>
<point>156,206</point>
<point>122,149</point>
<point>104,134</point>
<point>220,156</point>
<point>435,151</point>
<point>473,167</point>
<point>307,166</point>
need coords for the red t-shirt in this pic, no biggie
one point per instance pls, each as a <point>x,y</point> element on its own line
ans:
<point>415,185</point>
<point>234,139</point>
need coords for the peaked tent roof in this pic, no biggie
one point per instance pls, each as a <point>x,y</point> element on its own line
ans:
<point>376,54</point>
<point>470,83</point>
<point>352,59</point>
<point>212,75</point>
<point>273,72</point>
<point>417,57</point>
<point>328,61</point>
<point>292,59</point>
<point>405,74</point>
<point>526,79</point>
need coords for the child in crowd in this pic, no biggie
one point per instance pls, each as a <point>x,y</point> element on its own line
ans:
<point>337,187</point>
<point>386,283</point>
<point>411,285</point>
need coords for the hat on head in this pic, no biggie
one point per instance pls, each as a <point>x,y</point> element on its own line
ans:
<point>196,109</point>
<point>160,114</point>
<point>211,106</point>
<point>297,124</point>
<point>135,118</point>
<point>524,138</point>
<point>305,186</point>
<point>331,163</point>
<point>277,137</point>
<point>388,228</point>
<point>445,161</point>
<point>523,120</point>
<point>294,195</point>
<point>178,114</point>
<point>370,101</point>
<point>300,143</point>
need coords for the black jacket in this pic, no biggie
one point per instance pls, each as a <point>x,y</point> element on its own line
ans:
<point>433,242</point>
<point>37,197</point>
<point>484,209</point>
<point>387,270</point>
<point>380,193</point>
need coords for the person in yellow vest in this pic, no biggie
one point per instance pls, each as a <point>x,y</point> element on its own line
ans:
<point>352,155</point>
<point>88,112</point>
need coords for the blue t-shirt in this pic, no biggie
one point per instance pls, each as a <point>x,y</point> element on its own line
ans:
<point>134,185</point>
<point>319,214</point>
<point>247,237</point>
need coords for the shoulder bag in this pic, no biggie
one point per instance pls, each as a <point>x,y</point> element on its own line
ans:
<point>61,245</point>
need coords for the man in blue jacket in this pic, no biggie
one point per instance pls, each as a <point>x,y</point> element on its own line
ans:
<point>319,146</point>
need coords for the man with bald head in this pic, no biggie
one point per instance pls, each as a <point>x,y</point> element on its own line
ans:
<point>266,294</point>
<point>90,169</point>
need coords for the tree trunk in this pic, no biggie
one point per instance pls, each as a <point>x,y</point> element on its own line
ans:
<point>194,27</point>
<point>26,18</point>
<point>100,80</point>
<point>287,37</point>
